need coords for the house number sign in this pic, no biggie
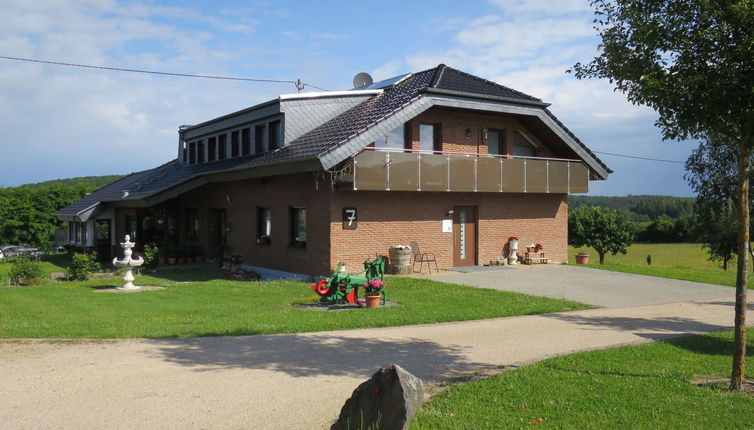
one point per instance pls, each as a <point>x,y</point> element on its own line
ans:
<point>350,220</point>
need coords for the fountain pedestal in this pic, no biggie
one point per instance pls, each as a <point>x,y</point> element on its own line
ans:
<point>129,264</point>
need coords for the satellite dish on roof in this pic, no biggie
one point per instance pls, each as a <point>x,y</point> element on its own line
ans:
<point>362,79</point>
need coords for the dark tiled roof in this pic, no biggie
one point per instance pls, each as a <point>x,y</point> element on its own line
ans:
<point>142,184</point>
<point>447,78</point>
<point>318,141</point>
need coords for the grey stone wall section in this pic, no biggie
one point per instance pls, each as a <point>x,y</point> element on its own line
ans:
<point>388,400</point>
<point>304,115</point>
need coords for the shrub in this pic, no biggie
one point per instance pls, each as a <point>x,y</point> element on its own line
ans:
<point>24,269</point>
<point>151,252</point>
<point>81,266</point>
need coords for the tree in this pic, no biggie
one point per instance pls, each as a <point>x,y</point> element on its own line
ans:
<point>601,229</point>
<point>710,171</point>
<point>715,226</point>
<point>690,60</point>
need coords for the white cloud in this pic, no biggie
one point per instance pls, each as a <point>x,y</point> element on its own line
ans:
<point>558,7</point>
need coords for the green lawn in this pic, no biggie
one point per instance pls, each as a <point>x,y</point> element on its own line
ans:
<point>637,387</point>
<point>200,302</point>
<point>49,264</point>
<point>685,261</point>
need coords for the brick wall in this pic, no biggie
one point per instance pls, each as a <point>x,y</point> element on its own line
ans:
<point>279,194</point>
<point>392,218</point>
<point>454,125</point>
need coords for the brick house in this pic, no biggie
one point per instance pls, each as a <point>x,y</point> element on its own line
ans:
<point>297,184</point>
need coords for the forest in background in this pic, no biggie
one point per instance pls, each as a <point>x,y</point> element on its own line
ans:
<point>656,219</point>
<point>26,211</point>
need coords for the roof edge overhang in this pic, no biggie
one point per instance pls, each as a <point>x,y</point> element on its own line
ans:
<point>329,94</point>
<point>80,216</point>
<point>536,111</point>
<point>234,174</point>
<point>357,142</point>
<point>193,127</point>
<point>464,94</point>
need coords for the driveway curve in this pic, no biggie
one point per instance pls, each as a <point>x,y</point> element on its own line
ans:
<point>297,381</point>
<point>582,284</point>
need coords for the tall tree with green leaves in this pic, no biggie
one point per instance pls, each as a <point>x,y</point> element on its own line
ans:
<point>690,60</point>
<point>600,228</point>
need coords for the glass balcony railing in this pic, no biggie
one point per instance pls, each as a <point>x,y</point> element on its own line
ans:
<point>410,170</point>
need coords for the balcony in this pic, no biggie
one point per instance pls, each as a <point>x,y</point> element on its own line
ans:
<point>411,170</point>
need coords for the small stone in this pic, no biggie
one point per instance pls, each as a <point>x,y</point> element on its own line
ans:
<point>387,400</point>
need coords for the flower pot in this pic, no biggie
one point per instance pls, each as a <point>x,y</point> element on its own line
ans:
<point>171,260</point>
<point>373,301</point>
<point>182,260</point>
<point>161,261</point>
<point>582,259</point>
<point>199,259</point>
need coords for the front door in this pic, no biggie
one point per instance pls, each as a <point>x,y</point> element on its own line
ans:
<point>464,236</point>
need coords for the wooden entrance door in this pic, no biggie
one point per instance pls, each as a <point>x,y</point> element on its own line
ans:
<point>464,236</point>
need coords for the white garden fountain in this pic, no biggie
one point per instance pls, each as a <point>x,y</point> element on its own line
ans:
<point>129,264</point>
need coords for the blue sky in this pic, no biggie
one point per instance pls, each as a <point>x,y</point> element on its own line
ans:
<point>61,122</point>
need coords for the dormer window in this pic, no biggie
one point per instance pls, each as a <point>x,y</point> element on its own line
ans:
<point>259,139</point>
<point>192,152</point>
<point>200,152</point>
<point>235,145</point>
<point>245,141</point>
<point>273,137</point>
<point>211,149</point>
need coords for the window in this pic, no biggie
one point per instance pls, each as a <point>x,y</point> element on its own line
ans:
<point>71,233</point>
<point>495,143</point>
<point>222,147</point>
<point>132,225</point>
<point>212,149</point>
<point>193,224</point>
<point>185,153</point>
<point>298,227</point>
<point>259,139</point>
<point>200,152</point>
<point>273,135</point>
<point>245,141</point>
<point>429,138</point>
<point>264,226</point>
<point>522,147</point>
<point>234,144</point>
<point>394,139</point>
<point>192,153</point>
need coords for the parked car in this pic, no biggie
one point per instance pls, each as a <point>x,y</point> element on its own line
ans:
<point>10,251</point>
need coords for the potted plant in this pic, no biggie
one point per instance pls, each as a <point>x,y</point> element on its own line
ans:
<point>373,292</point>
<point>582,257</point>
<point>236,259</point>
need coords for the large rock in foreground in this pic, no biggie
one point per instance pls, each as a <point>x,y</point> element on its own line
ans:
<point>388,400</point>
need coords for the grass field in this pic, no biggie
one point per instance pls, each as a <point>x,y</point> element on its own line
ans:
<point>685,261</point>
<point>200,302</point>
<point>637,387</point>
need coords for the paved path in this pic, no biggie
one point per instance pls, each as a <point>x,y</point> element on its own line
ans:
<point>296,381</point>
<point>585,285</point>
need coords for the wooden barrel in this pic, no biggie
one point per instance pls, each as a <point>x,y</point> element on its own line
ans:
<point>400,261</point>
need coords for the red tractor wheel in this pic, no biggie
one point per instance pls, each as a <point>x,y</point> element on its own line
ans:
<point>321,287</point>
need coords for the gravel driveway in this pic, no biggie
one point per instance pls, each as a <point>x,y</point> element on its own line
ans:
<point>593,286</point>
